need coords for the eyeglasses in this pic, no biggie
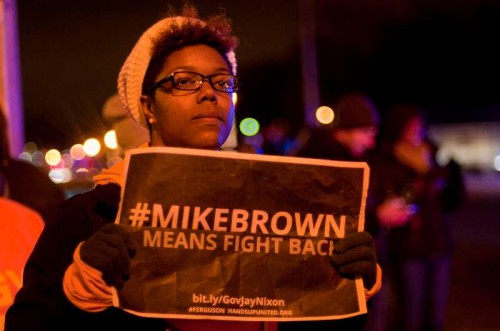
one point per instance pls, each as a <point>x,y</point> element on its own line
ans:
<point>193,81</point>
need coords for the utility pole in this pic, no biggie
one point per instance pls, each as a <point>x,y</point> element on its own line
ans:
<point>310,83</point>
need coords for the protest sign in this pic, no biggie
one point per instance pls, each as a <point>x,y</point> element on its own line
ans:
<point>237,236</point>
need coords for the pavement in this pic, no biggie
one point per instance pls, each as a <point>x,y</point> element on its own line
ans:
<point>474,303</point>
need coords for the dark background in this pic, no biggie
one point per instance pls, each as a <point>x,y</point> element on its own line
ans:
<point>440,54</point>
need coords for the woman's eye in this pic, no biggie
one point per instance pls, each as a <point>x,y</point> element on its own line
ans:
<point>184,81</point>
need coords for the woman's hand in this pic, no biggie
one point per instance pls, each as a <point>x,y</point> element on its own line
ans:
<point>355,255</point>
<point>394,212</point>
<point>109,250</point>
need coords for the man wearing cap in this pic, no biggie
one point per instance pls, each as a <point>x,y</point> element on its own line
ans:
<point>352,135</point>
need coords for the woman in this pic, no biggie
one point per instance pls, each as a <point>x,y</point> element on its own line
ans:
<point>420,247</point>
<point>178,80</point>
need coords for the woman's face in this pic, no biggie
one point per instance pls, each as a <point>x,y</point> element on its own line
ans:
<point>358,140</point>
<point>195,119</point>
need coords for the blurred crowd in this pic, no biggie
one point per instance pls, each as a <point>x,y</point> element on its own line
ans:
<point>411,201</point>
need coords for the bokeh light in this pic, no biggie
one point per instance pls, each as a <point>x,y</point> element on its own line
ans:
<point>60,175</point>
<point>110,139</point>
<point>77,152</point>
<point>26,156</point>
<point>497,163</point>
<point>249,126</point>
<point>67,160</point>
<point>30,147</point>
<point>53,157</point>
<point>37,158</point>
<point>92,147</point>
<point>325,115</point>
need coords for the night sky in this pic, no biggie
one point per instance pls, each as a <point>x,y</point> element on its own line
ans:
<point>443,56</point>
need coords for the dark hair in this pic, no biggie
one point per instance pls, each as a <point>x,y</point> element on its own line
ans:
<point>215,33</point>
<point>355,110</point>
<point>398,116</point>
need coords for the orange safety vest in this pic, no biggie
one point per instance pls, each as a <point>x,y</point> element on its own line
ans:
<point>20,227</point>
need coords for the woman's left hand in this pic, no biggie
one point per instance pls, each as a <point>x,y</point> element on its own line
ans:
<point>355,255</point>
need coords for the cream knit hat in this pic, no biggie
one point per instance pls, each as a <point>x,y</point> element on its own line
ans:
<point>131,76</point>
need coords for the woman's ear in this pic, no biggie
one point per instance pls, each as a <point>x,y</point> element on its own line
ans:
<point>147,108</point>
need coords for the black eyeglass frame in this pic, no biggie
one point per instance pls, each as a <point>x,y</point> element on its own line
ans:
<point>204,78</point>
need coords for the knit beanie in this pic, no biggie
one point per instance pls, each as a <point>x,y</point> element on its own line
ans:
<point>131,76</point>
<point>355,110</point>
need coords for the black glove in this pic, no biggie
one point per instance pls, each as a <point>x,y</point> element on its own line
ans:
<point>355,255</point>
<point>109,250</point>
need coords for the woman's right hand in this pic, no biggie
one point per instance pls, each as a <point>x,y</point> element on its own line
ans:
<point>394,212</point>
<point>109,250</point>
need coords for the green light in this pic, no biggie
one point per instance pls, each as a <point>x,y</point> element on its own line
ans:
<point>249,126</point>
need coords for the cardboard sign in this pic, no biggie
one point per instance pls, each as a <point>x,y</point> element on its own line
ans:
<point>233,236</point>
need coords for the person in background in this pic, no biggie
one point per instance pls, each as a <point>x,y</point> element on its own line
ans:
<point>25,183</point>
<point>28,198</point>
<point>178,82</point>
<point>352,137</point>
<point>277,137</point>
<point>420,246</point>
<point>353,133</point>
<point>20,227</point>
